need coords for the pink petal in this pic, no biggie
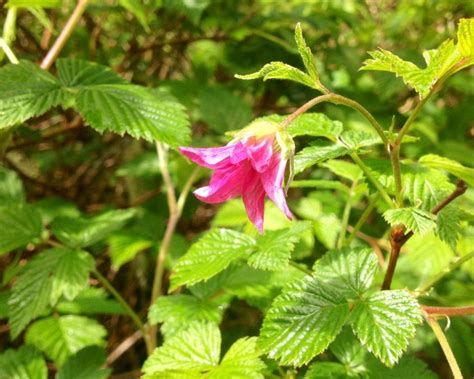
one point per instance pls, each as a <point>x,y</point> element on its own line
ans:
<point>272,181</point>
<point>253,196</point>
<point>260,154</point>
<point>215,157</point>
<point>225,184</point>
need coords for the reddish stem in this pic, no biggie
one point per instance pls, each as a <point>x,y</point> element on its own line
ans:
<point>449,311</point>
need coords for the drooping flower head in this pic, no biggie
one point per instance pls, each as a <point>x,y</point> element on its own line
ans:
<point>252,165</point>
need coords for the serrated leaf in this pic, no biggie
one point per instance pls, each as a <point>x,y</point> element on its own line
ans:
<point>80,232</point>
<point>448,225</point>
<point>91,301</point>
<point>273,250</point>
<point>415,220</point>
<point>178,311</point>
<point>11,188</point>
<point>210,255</point>
<point>194,349</point>
<point>306,54</point>
<point>24,363</point>
<point>449,165</point>
<point>85,364</point>
<point>327,370</point>
<point>283,71</point>
<point>345,169</point>
<point>408,368</point>
<point>61,337</point>
<point>317,153</point>
<point>123,247</point>
<point>385,322</point>
<point>44,279</point>
<point>222,110</point>
<point>466,37</point>
<point>349,270</point>
<point>26,91</point>
<point>108,103</point>
<point>240,362</point>
<point>19,225</point>
<point>303,321</point>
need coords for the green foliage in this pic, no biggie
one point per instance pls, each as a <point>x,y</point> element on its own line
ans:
<point>61,337</point>
<point>19,225</point>
<point>449,165</point>
<point>125,246</point>
<point>11,188</point>
<point>85,364</point>
<point>24,363</point>
<point>195,353</point>
<point>415,220</point>
<point>465,37</point>
<point>34,3</point>
<point>51,274</point>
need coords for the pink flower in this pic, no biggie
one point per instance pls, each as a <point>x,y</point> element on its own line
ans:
<point>252,165</point>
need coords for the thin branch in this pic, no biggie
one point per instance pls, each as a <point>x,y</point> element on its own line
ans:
<point>8,52</point>
<point>398,237</point>
<point>448,311</point>
<point>65,34</point>
<point>345,215</point>
<point>443,341</point>
<point>126,344</point>
<point>363,218</point>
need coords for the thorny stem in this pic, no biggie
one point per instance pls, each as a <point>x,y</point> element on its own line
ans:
<point>175,208</point>
<point>398,237</point>
<point>371,177</point>
<point>363,218</point>
<point>445,347</point>
<point>457,263</point>
<point>345,215</point>
<point>448,311</point>
<point>338,100</point>
<point>109,287</point>
<point>65,34</point>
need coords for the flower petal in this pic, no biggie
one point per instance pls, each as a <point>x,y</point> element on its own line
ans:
<point>260,154</point>
<point>215,157</point>
<point>272,181</point>
<point>225,184</point>
<point>253,195</point>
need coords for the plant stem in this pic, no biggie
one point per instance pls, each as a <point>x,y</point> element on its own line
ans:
<point>363,218</point>
<point>64,35</point>
<point>9,34</point>
<point>8,52</point>
<point>109,287</point>
<point>345,215</point>
<point>175,208</point>
<point>355,157</point>
<point>398,237</point>
<point>449,311</point>
<point>338,100</point>
<point>445,347</point>
<point>452,266</point>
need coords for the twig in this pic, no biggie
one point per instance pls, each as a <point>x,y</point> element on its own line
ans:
<point>126,344</point>
<point>443,341</point>
<point>448,311</point>
<point>64,36</point>
<point>398,237</point>
<point>345,216</point>
<point>8,52</point>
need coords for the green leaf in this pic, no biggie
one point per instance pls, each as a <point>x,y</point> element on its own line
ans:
<point>108,103</point>
<point>91,301</point>
<point>273,250</point>
<point>466,37</point>
<point>448,225</point>
<point>306,54</point>
<point>34,3</point>
<point>24,363</point>
<point>19,225</point>
<point>385,322</point>
<point>85,364</point>
<point>280,70</point>
<point>61,337</point>
<point>303,321</point>
<point>11,188</point>
<point>317,153</point>
<point>345,169</point>
<point>80,232</point>
<point>350,270</point>
<point>192,350</point>
<point>240,362</point>
<point>124,246</point>
<point>415,220</point>
<point>44,279</point>
<point>438,63</point>
<point>26,91</point>
<point>327,370</point>
<point>210,255</point>
<point>178,311</point>
<point>453,167</point>
<point>408,368</point>
<point>136,8</point>
<point>222,110</point>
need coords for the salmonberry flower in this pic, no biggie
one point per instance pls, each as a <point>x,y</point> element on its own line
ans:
<point>252,165</point>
